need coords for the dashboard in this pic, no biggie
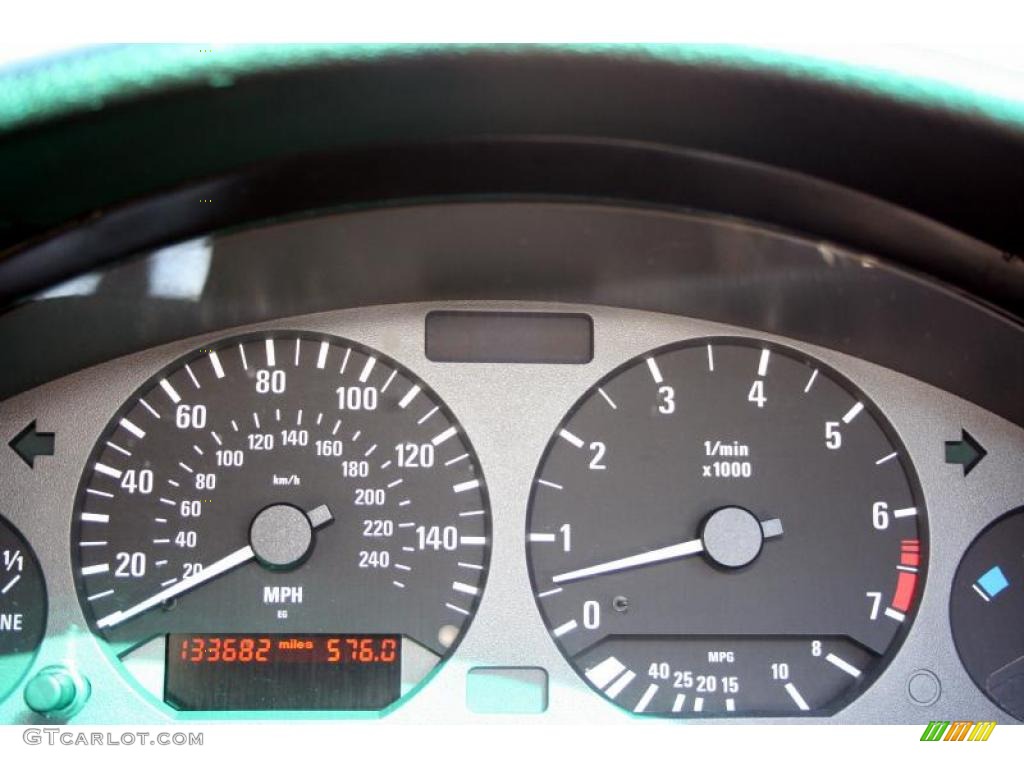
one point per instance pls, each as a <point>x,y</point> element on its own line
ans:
<point>744,449</point>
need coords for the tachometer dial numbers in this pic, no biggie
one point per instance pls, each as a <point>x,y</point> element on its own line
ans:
<point>22,607</point>
<point>280,484</point>
<point>726,489</point>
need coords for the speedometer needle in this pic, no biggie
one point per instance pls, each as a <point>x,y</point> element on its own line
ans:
<point>317,517</point>
<point>770,528</point>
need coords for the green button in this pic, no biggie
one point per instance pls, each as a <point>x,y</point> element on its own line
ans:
<point>53,689</point>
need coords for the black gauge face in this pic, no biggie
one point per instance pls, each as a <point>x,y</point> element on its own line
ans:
<point>723,528</point>
<point>280,484</point>
<point>987,612</point>
<point>22,607</point>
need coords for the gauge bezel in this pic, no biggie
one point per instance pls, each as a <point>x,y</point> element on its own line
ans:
<point>178,363</point>
<point>865,681</point>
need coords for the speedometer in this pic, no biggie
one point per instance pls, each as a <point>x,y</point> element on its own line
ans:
<point>726,527</point>
<point>293,521</point>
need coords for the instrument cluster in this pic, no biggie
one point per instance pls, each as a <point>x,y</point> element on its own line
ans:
<point>453,510</point>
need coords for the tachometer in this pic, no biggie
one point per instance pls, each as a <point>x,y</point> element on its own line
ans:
<point>726,527</point>
<point>278,502</point>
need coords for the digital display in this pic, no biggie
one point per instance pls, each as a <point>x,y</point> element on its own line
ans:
<point>509,337</point>
<point>260,672</point>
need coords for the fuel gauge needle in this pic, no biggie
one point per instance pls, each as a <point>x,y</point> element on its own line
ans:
<point>317,518</point>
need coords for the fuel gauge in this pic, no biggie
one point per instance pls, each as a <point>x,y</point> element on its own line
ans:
<point>987,612</point>
<point>22,607</point>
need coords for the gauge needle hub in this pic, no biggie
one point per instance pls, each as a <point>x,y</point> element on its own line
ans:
<point>770,529</point>
<point>318,517</point>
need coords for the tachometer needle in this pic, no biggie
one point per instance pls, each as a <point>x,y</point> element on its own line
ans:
<point>317,517</point>
<point>770,528</point>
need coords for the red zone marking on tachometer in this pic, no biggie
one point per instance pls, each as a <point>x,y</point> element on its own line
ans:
<point>906,582</point>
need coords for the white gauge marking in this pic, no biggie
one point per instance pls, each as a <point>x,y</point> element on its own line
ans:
<point>894,614</point>
<point>218,369</point>
<point>852,413</point>
<point>641,705</point>
<point>458,458</point>
<point>794,694</point>
<point>91,570</point>
<point>390,379</point>
<point>402,567</point>
<point>428,414</point>
<point>730,705</point>
<point>601,675</point>
<point>103,469</point>
<point>549,592</point>
<point>842,664</point>
<point>321,358</point>
<point>149,408</point>
<point>191,375</point>
<point>542,537</point>
<point>762,363</point>
<point>171,391</point>
<point>271,355</point>
<point>241,352</point>
<point>549,484</point>
<point>465,589</point>
<point>620,685</point>
<point>563,629</point>
<point>884,459</point>
<point>131,427</point>
<point>984,597</point>
<point>297,352</point>
<point>473,540</point>
<point>905,512</point>
<point>568,436</point>
<point>655,370</point>
<point>92,543</point>
<point>810,381</point>
<point>698,704</point>
<point>471,513</point>
<point>469,485</point>
<point>118,448</point>
<point>471,566</point>
<point>608,399</point>
<point>344,360</point>
<point>438,439</point>
<point>10,584</point>
<point>367,369</point>
<point>457,609</point>
<point>409,396</point>
<point>677,705</point>
<point>92,517</point>
<point>98,595</point>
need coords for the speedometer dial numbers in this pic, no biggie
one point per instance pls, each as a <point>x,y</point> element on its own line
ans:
<point>284,486</point>
<point>726,527</point>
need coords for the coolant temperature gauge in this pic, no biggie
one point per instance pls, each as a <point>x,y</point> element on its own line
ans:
<point>22,607</point>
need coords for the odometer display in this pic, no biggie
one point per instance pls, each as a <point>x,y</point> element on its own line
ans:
<point>278,484</point>
<point>725,527</point>
<point>260,672</point>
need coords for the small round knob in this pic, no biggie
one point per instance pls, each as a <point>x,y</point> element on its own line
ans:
<point>56,692</point>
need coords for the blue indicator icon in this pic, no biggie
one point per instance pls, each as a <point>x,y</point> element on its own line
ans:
<point>991,583</point>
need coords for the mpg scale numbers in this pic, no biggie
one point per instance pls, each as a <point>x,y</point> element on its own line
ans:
<point>724,527</point>
<point>283,483</point>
